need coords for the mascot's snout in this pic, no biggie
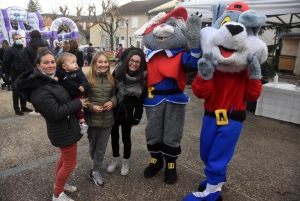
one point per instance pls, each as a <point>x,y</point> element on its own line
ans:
<point>234,29</point>
<point>163,31</point>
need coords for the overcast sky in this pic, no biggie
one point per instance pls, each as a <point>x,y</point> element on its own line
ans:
<point>49,5</point>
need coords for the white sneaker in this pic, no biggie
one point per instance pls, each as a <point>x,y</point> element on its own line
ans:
<point>125,167</point>
<point>33,113</point>
<point>97,178</point>
<point>62,197</point>
<point>83,128</point>
<point>69,188</point>
<point>114,163</point>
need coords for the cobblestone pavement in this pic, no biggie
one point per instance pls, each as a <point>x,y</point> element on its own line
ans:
<point>265,165</point>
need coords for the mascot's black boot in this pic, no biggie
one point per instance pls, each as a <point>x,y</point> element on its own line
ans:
<point>170,171</point>
<point>156,164</point>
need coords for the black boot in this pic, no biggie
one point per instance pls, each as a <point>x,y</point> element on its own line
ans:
<point>8,87</point>
<point>170,171</point>
<point>156,164</point>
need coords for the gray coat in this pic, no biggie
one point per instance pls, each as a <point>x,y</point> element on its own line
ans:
<point>99,94</point>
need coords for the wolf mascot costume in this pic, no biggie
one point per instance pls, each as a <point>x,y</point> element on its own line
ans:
<point>229,75</point>
<point>165,38</point>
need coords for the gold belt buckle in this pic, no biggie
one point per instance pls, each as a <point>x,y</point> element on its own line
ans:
<point>150,89</point>
<point>221,117</point>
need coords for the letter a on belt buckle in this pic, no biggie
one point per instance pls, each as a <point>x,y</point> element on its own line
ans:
<point>150,89</point>
<point>221,117</point>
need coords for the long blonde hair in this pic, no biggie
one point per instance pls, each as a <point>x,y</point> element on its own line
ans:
<point>92,75</point>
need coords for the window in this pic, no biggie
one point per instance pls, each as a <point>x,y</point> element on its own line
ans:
<point>122,37</point>
<point>122,23</point>
<point>138,44</point>
<point>135,22</point>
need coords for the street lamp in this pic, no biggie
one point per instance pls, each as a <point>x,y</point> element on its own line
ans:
<point>126,22</point>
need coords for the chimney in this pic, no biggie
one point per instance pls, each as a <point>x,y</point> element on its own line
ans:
<point>84,26</point>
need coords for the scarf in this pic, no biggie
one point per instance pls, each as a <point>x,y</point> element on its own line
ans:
<point>131,87</point>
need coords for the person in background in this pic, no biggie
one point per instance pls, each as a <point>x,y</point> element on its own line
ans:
<point>89,53</point>
<point>14,24</point>
<point>64,47</point>
<point>56,47</point>
<point>99,116</point>
<point>47,44</point>
<point>30,54</point>
<point>27,26</point>
<point>74,50</point>
<point>14,66</point>
<point>57,108</point>
<point>74,81</point>
<point>130,81</point>
<point>5,76</point>
<point>120,51</point>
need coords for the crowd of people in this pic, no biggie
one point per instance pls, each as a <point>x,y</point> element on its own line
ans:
<point>73,103</point>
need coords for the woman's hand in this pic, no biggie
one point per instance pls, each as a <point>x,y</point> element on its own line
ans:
<point>84,102</point>
<point>97,109</point>
<point>108,106</point>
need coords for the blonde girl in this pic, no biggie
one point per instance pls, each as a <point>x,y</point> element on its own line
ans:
<point>99,114</point>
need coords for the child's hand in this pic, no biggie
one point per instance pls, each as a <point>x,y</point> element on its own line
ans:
<point>55,78</point>
<point>81,89</point>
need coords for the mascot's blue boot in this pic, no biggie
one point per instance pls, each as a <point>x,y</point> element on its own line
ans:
<point>211,193</point>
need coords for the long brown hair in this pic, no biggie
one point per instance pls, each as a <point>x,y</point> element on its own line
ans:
<point>92,75</point>
<point>5,44</point>
<point>121,73</point>
<point>73,44</point>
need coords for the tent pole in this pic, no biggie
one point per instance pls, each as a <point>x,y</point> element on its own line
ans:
<point>274,47</point>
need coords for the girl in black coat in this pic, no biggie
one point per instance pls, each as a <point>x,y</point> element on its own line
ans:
<point>130,81</point>
<point>55,105</point>
<point>74,50</point>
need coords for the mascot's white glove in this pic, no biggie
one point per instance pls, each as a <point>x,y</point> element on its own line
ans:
<point>254,67</point>
<point>192,31</point>
<point>207,65</point>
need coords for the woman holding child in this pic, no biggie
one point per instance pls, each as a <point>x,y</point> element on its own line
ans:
<point>55,105</point>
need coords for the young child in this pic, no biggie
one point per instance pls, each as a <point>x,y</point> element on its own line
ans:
<point>101,94</point>
<point>71,77</point>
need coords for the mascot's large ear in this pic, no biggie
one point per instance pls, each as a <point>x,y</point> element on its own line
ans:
<point>252,21</point>
<point>217,10</point>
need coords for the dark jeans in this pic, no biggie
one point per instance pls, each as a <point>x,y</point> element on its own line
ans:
<point>89,60</point>
<point>7,80</point>
<point>17,96</point>
<point>126,138</point>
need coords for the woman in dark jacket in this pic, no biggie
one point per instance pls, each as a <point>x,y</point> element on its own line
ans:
<point>74,50</point>
<point>130,82</point>
<point>55,105</point>
<point>5,78</point>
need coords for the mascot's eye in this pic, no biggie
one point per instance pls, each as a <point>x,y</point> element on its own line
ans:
<point>173,25</point>
<point>226,19</point>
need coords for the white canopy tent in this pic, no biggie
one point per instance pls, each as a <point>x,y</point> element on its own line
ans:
<point>279,12</point>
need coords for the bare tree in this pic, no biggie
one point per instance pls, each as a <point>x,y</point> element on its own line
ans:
<point>64,10</point>
<point>108,20</point>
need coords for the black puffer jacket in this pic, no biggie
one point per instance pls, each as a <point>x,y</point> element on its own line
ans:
<point>30,52</point>
<point>130,110</point>
<point>79,56</point>
<point>12,60</point>
<point>54,104</point>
